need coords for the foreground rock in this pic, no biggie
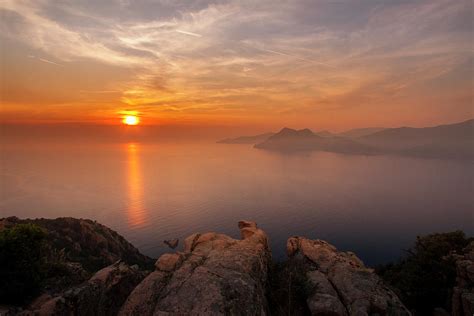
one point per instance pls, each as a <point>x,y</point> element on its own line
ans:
<point>338,283</point>
<point>218,275</point>
<point>103,294</point>
<point>86,242</point>
<point>215,275</point>
<point>463,292</point>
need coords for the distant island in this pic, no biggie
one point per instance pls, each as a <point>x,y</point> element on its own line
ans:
<point>254,139</point>
<point>454,141</point>
<point>360,132</point>
<point>295,140</point>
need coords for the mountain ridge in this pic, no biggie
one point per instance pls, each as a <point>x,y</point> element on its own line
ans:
<point>246,139</point>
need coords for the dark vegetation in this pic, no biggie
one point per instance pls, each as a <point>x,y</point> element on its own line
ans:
<point>51,255</point>
<point>22,266</point>
<point>424,279</point>
<point>92,245</point>
<point>288,289</point>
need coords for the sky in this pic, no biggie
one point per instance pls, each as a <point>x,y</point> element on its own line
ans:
<point>260,65</point>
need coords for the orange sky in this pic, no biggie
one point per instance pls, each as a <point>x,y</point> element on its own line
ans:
<point>259,65</point>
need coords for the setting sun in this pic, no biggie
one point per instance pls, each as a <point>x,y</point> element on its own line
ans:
<point>131,120</point>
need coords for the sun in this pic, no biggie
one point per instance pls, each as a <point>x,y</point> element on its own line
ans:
<point>131,120</point>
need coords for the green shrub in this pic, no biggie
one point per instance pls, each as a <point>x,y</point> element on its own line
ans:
<point>21,262</point>
<point>425,278</point>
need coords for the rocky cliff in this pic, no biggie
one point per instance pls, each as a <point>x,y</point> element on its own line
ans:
<point>218,275</point>
<point>84,241</point>
<point>463,293</point>
<point>338,283</point>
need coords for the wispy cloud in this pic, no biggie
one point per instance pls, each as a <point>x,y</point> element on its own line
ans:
<point>189,33</point>
<point>249,57</point>
<point>44,60</point>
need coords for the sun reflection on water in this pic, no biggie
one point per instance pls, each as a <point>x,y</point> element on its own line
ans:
<point>136,212</point>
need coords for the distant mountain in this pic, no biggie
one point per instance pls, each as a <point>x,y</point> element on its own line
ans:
<point>246,139</point>
<point>325,133</point>
<point>454,141</point>
<point>444,141</point>
<point>360,132</point>
<point>300,140</point>
<point>463,130</point>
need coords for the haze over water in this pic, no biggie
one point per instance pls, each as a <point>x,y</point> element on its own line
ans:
<point>148,192</point>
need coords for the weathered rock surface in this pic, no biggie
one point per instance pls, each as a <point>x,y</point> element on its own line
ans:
<point>214,275</point>
<point>338,283</point>
<point>218,275</point>
<point>103,294</point>
<point>463,292</point>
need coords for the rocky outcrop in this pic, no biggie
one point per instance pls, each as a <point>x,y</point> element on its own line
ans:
<point>103,294</point>
<point>214,275</point>
<point>219,275</point>
<point>84,241</point>
<point>338,283</point>
<point>463,292</point>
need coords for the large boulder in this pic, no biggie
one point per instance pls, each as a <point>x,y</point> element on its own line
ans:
<point>214,275</point>
<point>338,283</point>
<point>103,294</point>
<point>463,292</point>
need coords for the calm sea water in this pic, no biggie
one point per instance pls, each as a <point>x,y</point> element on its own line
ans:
<point>374,206</point>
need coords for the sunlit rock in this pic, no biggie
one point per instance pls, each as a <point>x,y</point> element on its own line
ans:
<point>338,283</point>
<point>215,274</point>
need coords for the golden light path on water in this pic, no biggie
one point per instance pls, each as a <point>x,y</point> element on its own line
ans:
<point>135,212</point>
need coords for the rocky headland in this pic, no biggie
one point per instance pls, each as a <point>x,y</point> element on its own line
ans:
<point>451,141</point>
<point>215,274</point>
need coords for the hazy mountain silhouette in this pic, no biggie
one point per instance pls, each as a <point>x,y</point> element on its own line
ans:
<point>359,132</point>
<point>444,141</point>
<point>246,139</point>
<point>457,131</point>
<point>298,140</point>
<point>255,139</point>
<point>325,133</point>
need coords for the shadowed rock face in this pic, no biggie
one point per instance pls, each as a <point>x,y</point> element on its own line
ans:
<point>338,283</point>
<point>87,242</point>
<point>463,292</point>
<point>103,294</point>
<point>215,275</point>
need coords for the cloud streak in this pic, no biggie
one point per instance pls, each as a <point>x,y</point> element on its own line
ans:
<point>189,33</point>
<point>260,58</point>
<point>44,60</point>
